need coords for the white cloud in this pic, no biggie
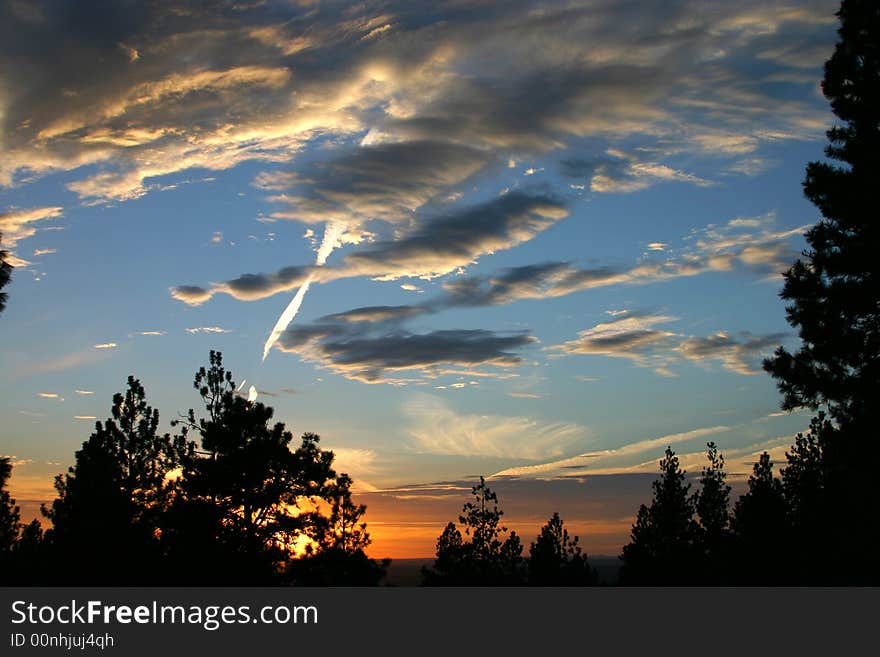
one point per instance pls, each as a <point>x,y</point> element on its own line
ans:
<point>609,461</point>
<point>207,329</point>
<point>436,428</point>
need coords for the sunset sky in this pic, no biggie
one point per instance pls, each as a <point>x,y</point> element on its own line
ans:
<point>539,241</point>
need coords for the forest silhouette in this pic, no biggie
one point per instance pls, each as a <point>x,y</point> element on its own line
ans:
<point>232,499</point>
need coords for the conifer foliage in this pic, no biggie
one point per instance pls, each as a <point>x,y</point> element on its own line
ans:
<point>833,290</point>
<point>486,557</point>
<point>834,302</point>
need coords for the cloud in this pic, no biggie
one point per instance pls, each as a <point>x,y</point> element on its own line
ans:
<point>746,244</point>
<point>249,287</point>
<point>39,252</point>
<point>66,362</point>
<point>51,395</point>
<point>191,294</point>
<point>752,166</point>
<point>359,463</point>
<point>84,392</point>
<point>17,225</point>
<point>207,329</point>
<point>151,333</point>
<point>372,314</point>
<point>384,181</point>
<point>633,336</point>
<point>609,461</point>
<point>624,173</point>
<point>435,428</point>
<point>408,107</point>
<point>378,354</point>
<point>84,417</point>
<point>435,247</point>
<point>742,356</point>
<point>445,244</point>
<point>106,345</point>
<point>259,86</point>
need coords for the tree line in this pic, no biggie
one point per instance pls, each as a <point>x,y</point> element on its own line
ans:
<point>240,505</point>
<point>811,523</point>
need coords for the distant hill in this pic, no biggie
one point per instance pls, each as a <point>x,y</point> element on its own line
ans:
<point>407,572</point>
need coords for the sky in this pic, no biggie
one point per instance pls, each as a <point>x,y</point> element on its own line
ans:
<point>534,241</point>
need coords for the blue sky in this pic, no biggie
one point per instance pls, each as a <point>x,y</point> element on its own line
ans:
<point>554,232</point>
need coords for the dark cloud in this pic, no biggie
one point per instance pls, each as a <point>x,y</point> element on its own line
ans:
<point>376,314</point>
<point>580,168</point>
<point>455,240</point>
<point>632,335</point>
<point>535,112</point>
<point>434,247</point>
<point>375,358</point>
<point>386,181</point>
<point>257,286</point>
<point>191,294</point>
<point>147,89</point>
<point>742,355</point>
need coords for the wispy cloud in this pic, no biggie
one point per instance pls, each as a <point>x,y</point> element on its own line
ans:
<point>609,461</point>
<point>65,362</point>
<point>20,224</point>
<point>436,428</point>
<point>433,248</point>
<point>17,225</point>
<point>633,336</point>
<point>51,395</point>
<point>106,345</point>
<point>207,329</point>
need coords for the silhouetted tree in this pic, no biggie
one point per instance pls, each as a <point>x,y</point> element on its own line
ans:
<point>811,517</point>
<point>246,499</point>
<point>834,291</point>
<point>5,274</point>
<point>759,524</point>
<point>661,548</point>
<point>10,523</point>
<point>338,556</point>
<point>488,558</point>
<point>712,504</point>
<point>449,564</point>
<point>556,559</point>
<point>10,515</point>
<point>29,558</point>
<point>834,296</point>
<point>110,501</point>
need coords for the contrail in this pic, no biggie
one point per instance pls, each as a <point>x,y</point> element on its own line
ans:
<point>332,232</point>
